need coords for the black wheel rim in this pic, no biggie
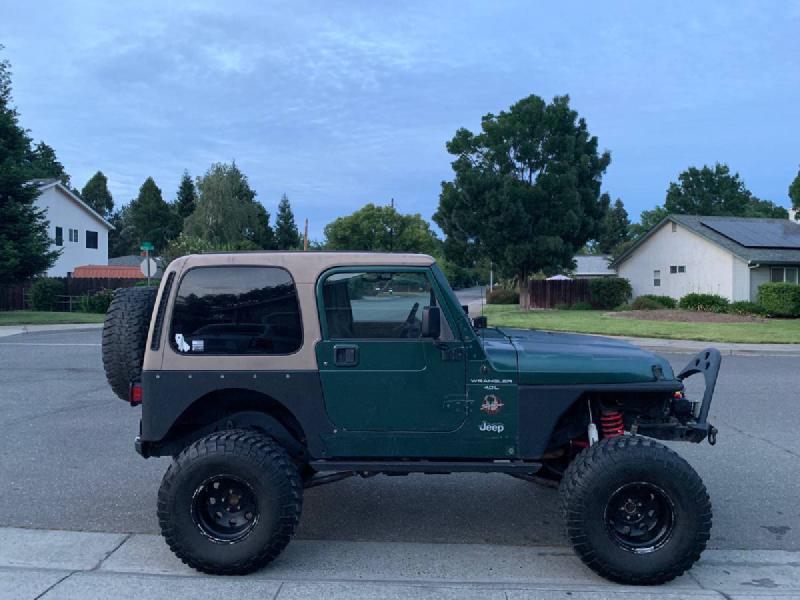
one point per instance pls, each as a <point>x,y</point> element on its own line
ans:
<point>225,509</point>
<point>640,517</point>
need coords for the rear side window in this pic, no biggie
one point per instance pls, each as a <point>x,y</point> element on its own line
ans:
<point>236,310</point>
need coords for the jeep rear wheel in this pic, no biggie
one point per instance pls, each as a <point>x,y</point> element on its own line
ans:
<point>230,502</point>
<point>635,511</point>
<point>125,336</point>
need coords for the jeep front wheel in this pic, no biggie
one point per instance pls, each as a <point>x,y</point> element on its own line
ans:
<point>230,502</point>
<point>635,511</point>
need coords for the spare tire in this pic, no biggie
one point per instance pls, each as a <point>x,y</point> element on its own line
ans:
<point>125,336</point>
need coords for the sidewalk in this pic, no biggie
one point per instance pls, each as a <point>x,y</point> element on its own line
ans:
<point>66,564</point>
<point>6,330</point>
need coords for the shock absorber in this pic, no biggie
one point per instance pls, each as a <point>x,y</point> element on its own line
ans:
<point>611,423</point>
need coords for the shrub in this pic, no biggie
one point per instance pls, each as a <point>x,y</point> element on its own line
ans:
<point>745,307</point>
<point>96,303</point>
<point>502,296</point>
<point>562,306</point>
<point>647,303</point>
<point>45,293</point>
<point>704,302</point>
<point>581,306</point>
<point>780,299</point>
<point>608,292</point>
<point>665,301</point>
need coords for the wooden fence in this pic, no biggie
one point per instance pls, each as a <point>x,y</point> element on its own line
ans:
<point>548,293</point>
<point>16,296</point>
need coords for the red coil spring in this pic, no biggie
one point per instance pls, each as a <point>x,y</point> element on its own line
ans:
<point>611,423</point>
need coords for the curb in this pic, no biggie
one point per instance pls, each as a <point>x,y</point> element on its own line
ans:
<point>6,330</point>
<point>74,564</point>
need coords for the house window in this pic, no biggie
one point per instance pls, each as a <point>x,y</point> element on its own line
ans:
<point>674,227</point>
<point>73,235</point>
<point>677,269</point>
<point>783,274</point>
<point>657,278</point>
<point>91,239</point>
<point>681,268</point>
<point>673,269</point>
<point>59,236</point>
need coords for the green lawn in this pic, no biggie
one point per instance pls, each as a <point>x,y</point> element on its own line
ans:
<point>33,317</point>
<point>776,331</point>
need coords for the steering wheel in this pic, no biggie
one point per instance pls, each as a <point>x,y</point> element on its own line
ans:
<point>410,319</point>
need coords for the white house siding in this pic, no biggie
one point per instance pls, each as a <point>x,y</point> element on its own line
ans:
<point>741,280</point>
<point>63,212</point>
<point>709,268</point>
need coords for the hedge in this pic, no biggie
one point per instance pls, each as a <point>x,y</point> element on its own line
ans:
<point>608,292</point>
<point>780,299</point>
<point>745,307</point>
<point>45,292</point>
<point>502,296</point>
<point>96,303</point>
<point>664,301</point>
<point>704,302</point>
<point>647,303</point>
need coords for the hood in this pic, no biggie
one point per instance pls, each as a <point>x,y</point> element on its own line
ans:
<point>551,358</point>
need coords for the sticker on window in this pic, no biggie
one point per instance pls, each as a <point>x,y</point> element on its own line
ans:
<point>198,345</point>
<point>181,343</point>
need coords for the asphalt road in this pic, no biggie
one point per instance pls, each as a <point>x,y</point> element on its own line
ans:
<point>67,462</point>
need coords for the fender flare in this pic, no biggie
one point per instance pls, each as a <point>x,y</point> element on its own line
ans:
<point>264,422</point>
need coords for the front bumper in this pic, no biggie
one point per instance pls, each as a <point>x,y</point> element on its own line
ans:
<point>695,429</point>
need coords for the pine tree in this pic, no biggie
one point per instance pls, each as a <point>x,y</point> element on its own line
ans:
<point>187,196</point>
<point>45,164</point>
<point>614,228</point>
<point>287,237</point>
<point>95,193</point>
<point>152,218</point>
<point>24,239</point>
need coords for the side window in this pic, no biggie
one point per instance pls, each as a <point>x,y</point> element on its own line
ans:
<point>59,236</point>
<point>657,278</point>
<point>376,305</point>
<point>91,239</point>
<point>236,310</point>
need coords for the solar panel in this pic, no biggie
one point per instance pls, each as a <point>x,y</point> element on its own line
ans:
<point>758,233</point>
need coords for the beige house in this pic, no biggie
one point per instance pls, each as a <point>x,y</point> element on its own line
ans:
<point>729,256</point>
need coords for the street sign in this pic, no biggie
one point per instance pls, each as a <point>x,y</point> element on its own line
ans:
<point>148,267</point>
<point>147,246</point>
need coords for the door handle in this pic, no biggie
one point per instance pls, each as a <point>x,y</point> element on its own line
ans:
<point>345,355</point>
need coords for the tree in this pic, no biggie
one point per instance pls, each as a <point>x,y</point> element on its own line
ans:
<point>45,164</point>
<point>186,199</point>
<point>123,239</point>
<point>794,193</point>
<point>226,213</point>
<point>95,193</point>
<point>614,228</point>
<point>382,229</point>
<point>715,191</point>
<point>152,218</point>
<point>287,237</point>
<point>526,192</point>
<point>24,238</point>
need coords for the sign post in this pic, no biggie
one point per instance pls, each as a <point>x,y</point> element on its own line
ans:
<point>148,266</point>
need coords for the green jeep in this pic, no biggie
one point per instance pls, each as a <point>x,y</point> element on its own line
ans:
<point>266,373</point>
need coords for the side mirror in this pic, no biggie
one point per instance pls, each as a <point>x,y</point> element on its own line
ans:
<point>465,308</point>
<point>480,322</point>
<point>431,322</point>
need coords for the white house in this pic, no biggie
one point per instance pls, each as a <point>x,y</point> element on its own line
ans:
<point>78,231</point>
<point>729,256</point>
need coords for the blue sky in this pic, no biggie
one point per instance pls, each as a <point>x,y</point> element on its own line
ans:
<point>339,104</point>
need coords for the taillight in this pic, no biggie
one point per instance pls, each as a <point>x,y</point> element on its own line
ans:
<point>135,395</point>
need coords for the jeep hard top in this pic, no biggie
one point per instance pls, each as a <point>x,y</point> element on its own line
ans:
<point>266,373</point>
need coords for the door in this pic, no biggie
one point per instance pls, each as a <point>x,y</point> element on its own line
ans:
<point>378,372</point>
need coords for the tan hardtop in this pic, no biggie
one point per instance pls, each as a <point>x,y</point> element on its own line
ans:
<point>305,267</point>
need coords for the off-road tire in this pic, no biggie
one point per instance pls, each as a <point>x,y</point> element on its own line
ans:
<point>252,457</point>
<point>590,483</point>
<point>125,336</point>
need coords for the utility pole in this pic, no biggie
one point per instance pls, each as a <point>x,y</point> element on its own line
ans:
<point>305,237</point>
<point>391,231</point>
